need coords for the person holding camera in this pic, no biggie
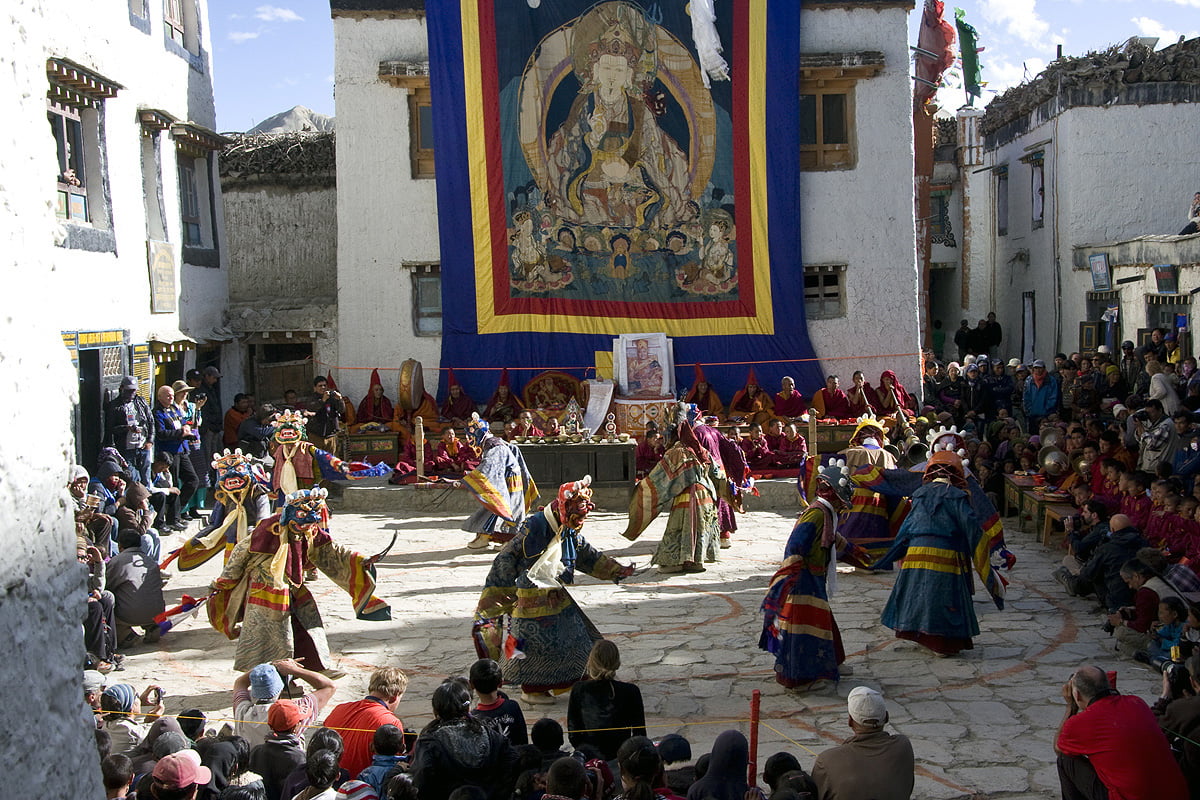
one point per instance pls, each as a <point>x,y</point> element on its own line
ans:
<point>1086,531</point>
<point>1156,437</point>
<point>1133,624</point>
<point>1110,745</point>
<point>328,409</point>
<point>1178,713</point>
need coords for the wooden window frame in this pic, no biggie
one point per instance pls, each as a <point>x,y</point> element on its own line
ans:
<point>825,305</point>
<point>422,157</point>
<point>821,156</point>
<point>71,155</point>
<point>1002,198</point>
<point>189,201</point>
<point>173,18</point>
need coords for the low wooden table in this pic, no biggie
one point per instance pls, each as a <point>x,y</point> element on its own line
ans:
<point>1014,485</point>
<point>611,465</point>
<point>1052,513</point>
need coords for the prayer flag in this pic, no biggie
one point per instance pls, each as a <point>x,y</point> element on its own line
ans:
<point>968,44</point>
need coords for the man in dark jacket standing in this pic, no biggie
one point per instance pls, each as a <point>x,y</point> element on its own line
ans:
<point>129,427</point>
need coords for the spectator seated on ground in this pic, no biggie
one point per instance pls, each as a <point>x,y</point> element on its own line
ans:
<point>178,776</point>
<point>121,705</point>
<point>320,739</point>
<point>321,767</point>
<point>99,527</point>
<point>1193,217</point>
<point>357,721</point>
<point>641,771</point>
<point>458,750</point>
<point>603,712</point>
<point>256,690</point>
<point>547,736</point>
<point>1102,572</point>
<point>568,779</point>
<point>228,757</point>
<point>872,764</point>
<point>117,773</point>
<point>495,706</point>
<point>1085,532</point>
<point>387,751</point>
<point>137,587</point>
<point>1110,745</point>
<point>1133,623</point>
<point>283,749</point>
<point>1178,713</point>
<point>724,774</point>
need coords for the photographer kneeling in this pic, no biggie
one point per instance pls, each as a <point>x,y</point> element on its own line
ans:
<point>1085,532</point>
<point>1178,713</point>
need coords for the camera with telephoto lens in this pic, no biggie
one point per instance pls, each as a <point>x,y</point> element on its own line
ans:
<point>1142,415</point>
<point>1172,666</point>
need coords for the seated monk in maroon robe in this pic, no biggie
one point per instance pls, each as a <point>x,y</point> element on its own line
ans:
<point>458,407</point>
<point>892,395</point>
<point>504,405</point>
<point>376,408</point>
<point>523,426</point>
<point>788,402</point>
<point>774,434</point>
<point>861,397</point>
<point>792,452</point>
<point>406,464</point>
<point>830,402</point>
<point>704,396</point>
<point>755,449</point>
<point>751,403</point>
<point>454,455</point>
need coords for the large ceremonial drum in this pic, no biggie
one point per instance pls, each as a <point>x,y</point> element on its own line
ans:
<point>412,385</point>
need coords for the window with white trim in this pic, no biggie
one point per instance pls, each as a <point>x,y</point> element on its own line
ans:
<point>824,291</point>
<point>75,104</point>
<point>427,299</point>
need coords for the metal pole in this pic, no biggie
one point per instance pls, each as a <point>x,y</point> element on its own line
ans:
<point>755,708</point>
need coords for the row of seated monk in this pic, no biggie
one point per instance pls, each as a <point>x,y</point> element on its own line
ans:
<point>378,413</point>
<point>752,404</point>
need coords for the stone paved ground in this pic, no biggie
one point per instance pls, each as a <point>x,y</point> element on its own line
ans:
<point>982,724</point>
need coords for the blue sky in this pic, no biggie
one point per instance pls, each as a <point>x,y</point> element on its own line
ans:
<point>268,58</point>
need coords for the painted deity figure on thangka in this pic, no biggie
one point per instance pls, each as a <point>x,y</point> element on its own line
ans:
<point>262,598</point>
<point>526,619</point>
<point>621,195</point>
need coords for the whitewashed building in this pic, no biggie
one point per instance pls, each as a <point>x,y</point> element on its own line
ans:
<point>1092,157</point>
<point>128,146</point>
<point>860,285</point>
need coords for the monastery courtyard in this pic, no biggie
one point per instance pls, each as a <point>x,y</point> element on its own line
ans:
<point>981,724</point>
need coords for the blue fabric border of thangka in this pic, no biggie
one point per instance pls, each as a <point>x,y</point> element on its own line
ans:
<point>478,358</point>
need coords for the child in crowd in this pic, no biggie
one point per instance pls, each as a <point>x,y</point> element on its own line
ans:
<point>755,449</point>
<point>1158,527</point>
<point>1169,629</point>
<point>1110,484</point>
<point>1135,503</point>
<point>494,706</point>
<point>794,449</point>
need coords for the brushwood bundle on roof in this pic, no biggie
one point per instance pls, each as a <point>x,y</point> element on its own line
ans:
<point>1098,77</point>
<point>293,158</point>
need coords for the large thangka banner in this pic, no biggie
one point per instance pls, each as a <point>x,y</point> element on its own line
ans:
<point>590,184</point>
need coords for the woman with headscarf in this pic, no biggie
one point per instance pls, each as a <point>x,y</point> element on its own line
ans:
<point>727,770</point>
<point>457,749</point>
<point>941,542</point>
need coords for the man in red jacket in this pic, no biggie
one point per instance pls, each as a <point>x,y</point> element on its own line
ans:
<point>1109,745</point>
<point>357,721</point>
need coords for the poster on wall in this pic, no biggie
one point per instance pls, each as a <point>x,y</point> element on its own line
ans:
<point>644,365</point>
<point>1166,277</point>
<point>161,257</point>
<point>592,183</point>
<point>1101,277</point>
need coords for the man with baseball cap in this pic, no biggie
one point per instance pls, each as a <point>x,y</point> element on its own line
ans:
<point>179,776</point>
<point>872,764</point>
<point>256,690</point>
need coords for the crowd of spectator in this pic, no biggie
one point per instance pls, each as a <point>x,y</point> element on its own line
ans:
<point>477,747</point>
